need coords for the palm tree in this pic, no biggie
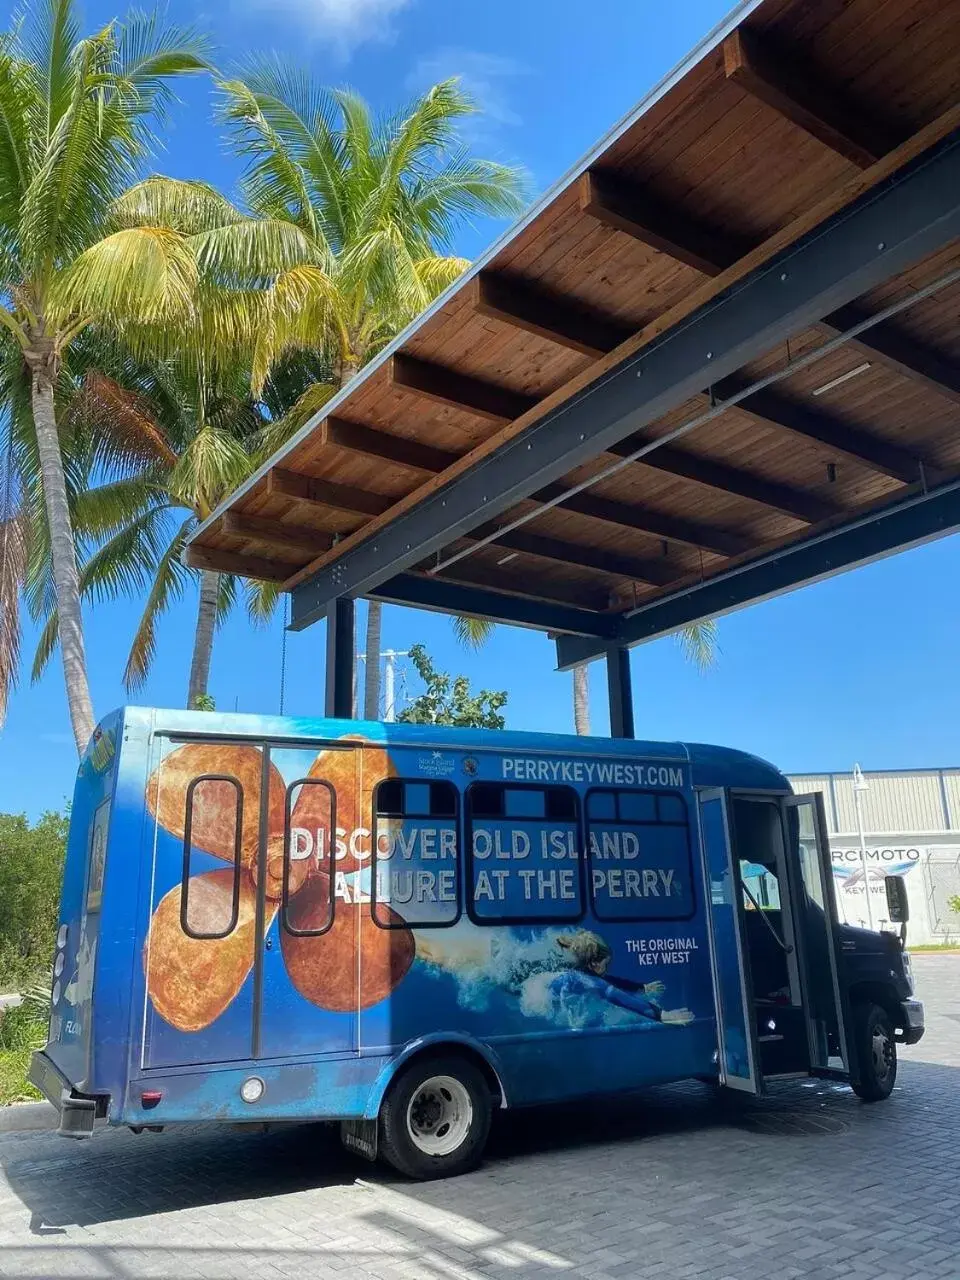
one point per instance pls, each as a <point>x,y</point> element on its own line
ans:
<point>77,117</point>
<point>380,202</point>
<point>182,433</point>
<point>698,642</point>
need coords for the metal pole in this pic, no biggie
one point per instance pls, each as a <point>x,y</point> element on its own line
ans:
<point>340,659</point>
<point>859,787</point>
<point>389,683</point>
<point>620,693</point>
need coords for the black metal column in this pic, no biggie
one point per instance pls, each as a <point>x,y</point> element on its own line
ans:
<point>620,691</point>
<point>340,659</point>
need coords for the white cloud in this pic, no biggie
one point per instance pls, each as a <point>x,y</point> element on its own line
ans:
<point>346,23</point>
<point>486,77</point>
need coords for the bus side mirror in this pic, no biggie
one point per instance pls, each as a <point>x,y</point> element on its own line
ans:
<point>898,909</point>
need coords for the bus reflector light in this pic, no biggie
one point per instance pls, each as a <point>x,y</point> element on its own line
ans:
<point>150,1098</point>
<point>252,1089</point>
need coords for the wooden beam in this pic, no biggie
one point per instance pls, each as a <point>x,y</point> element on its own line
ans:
<point>310,491</point>
<point>798,503</point>
<point>282,537</point>
<point>690,533</point>
<point>386,447</point>
<point>243,566</point>
<point>894,349</point>
<point>454,390</point>
<point>804,100</point>
<point>658,573</point>
<point>879,455</point>
<point>628,208</point>
<point>555,318</point>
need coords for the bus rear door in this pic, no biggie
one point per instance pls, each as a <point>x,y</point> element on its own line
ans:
<point>733,997</point>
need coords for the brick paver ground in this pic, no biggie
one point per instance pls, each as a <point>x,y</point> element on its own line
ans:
<point>809,1183</point>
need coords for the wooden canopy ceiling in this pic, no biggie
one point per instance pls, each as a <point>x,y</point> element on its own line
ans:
<point>772,132</point>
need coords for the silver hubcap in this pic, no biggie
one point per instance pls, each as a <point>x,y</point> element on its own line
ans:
<point>439,1116</point>
<point>882,1051</point>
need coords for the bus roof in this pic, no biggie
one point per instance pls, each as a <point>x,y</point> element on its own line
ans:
<point>711,765</point>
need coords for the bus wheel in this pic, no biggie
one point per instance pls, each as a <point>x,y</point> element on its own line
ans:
<point>876,1049</point>
<point>435,1119</point>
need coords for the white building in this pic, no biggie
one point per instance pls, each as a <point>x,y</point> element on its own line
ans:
<point>911,825</point>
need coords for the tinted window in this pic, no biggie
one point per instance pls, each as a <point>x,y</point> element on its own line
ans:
<point>206,911</point>
<point>416,865</point>
<point>638,845</point>
<point>524,854</point>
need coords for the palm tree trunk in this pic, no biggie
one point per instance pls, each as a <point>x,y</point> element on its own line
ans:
<point>371,688</point>
<point>203,638</point>
<point>63,553</point>
<point>581,700</point>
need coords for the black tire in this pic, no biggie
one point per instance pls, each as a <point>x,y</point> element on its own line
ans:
<point>876,1049</point>
<point>470,1104</point>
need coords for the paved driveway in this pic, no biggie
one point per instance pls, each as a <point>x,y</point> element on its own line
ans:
<point>808,1183</point>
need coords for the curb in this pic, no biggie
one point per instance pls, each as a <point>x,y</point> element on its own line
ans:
<point>20,1117</point>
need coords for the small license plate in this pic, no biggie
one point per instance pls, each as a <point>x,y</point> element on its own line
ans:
<point>360,1136</point>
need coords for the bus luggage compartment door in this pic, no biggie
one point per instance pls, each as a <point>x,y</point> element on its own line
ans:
<point>736,1033</point>
<point>815,926</point>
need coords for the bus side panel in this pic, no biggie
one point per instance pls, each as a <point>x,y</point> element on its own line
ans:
<point>609,992</point>
<point>71,1038</point>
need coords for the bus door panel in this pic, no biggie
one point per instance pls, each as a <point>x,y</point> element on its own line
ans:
<point>199,948</point>
<point>815,926</point>
<point>312,899</point>
<point>736,1032</point>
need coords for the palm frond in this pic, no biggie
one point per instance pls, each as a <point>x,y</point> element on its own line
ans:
<point>105,509</point>
<point>275,434</point>
<point>14,558</point>
<point>189,207</point>
<point>699,643</point>
<point>124,425</point>
<point>472,633</point>
<point>262,600</point>
<point>210,467</point>
<point>168,585</point>
<point>145,274</point>
<point>436,274</point>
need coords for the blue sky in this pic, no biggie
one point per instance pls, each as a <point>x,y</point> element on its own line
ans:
<point>862,667</point>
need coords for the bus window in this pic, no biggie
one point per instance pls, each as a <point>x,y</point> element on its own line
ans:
<point>308,849</point>
<point>204,914</point>
<point>638,845</point>
<point>416,855</point>
<point>524,853</point>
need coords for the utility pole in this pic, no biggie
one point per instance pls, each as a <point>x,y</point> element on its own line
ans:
<point>860,787</point>
<point>389,657</point>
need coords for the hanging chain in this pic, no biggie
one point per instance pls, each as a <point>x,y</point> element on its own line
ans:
<point>283,653</point>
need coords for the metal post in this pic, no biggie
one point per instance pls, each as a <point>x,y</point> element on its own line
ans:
<point>340,659</point>
<point>859,787</point>
<point>620,691</point>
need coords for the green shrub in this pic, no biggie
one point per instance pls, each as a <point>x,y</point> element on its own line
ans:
<point>23,1028</point>
<point>31,869</point>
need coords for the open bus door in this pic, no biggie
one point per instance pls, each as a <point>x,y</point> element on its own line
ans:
<point>815,923</point>
<point>736,1030</point>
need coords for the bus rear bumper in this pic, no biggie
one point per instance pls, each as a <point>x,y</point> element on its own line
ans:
<point>911,1014</point>
<point>76,1112</point>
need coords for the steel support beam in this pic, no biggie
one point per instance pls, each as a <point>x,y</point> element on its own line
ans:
<point>341,657</point>
<point>620,692</point>
<point>908,524</point>
<point>912,215</point>
<point>443,596</point>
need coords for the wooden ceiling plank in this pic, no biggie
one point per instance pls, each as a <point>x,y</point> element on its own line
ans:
<point>877,454</point>
<point>557,320</point>
<point>894,349</point>
<point>486,400</point>
<point>689,533</point>
<point>244,566</point>
<point>628,208</point>
<point>310,491</point>
<point>386,447</point>
<point>283,537</point>
<point>799,504</point>
<point>807,102</point>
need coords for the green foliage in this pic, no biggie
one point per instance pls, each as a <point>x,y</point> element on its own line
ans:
<point>204,702</point>
<point>449,700</point>
<point>954,904</point>
<point>23,1028</point>
<point>31,868</point>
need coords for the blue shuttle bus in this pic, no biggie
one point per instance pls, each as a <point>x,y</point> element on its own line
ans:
<point>402,928</point>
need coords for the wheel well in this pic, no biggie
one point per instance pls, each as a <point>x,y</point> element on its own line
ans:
<point>878,993</point>
<point>456,1049</point>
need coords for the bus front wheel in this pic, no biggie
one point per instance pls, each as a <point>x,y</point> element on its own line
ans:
<point>435,1119</point>
<point>876,1048</point>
